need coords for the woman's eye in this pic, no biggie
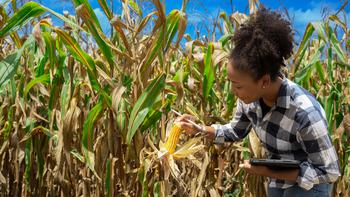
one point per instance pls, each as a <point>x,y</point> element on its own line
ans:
<point>239,87</point>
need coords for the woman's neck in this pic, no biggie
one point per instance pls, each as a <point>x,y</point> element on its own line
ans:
<point>271,93</point>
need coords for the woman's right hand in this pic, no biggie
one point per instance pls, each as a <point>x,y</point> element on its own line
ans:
<point>188,127</point>
<point>191,129</point>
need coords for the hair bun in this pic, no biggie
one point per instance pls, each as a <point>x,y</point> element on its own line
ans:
<point>264,46</point>
<point>258,36</point>
<point>262,43</point>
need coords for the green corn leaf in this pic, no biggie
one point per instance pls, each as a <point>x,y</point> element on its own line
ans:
<point>157,190</point>
<point>329,110</point>
<point>225,39</point>
<point>317,55</point>
<point>88,135</point>
<point>143,105</point>
<point>306,38</point>
<point>64,98</point>
<point>152,118</point>
<point>45,79</point>
<point>343,65</point>
<point>302,75</point>
<point>105,8</point>
<point>315,85</point>
<point>338,21</point>
<point>96,32</point>
<point>57,81</point>
<point>172,25</point>
<point>313,59</point>
<point>41,66</point>
<point>180,76</point>
<point>230,102</point>
<point>320,72</point>
<point>301,58</point>
<point>64,19</point>
<point>336,46</point>
<point>306,81</point>
<point>182,25</point>
<point>135,7</point>
<point>28,161</point>
<point>90,11</point>
<point>9,65</point>
<point>41,164</point>
<point>330,65</point>
<point>26,13</point>
<point>80,55</point>
<point>228,23</point>
<point>208,79</point>
<point>154,50</point>
<point>50,48</point>
<point>167,34</point>
<point>121,117</point>
<point>321,30</point>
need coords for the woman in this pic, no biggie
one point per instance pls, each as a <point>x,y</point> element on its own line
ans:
<point>288,120</point>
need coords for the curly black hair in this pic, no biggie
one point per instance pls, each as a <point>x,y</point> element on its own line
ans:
<point>262,44</point>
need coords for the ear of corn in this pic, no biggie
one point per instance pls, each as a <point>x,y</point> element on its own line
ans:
<point>173,138</point>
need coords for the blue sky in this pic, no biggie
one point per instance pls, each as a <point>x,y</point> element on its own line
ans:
<point>202,12</point>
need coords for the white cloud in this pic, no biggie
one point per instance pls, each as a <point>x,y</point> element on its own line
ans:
<point>102,18</point>
<point>301,17</point>
<point>194,18</point>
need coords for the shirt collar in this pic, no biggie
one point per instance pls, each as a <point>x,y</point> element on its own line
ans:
<point>283,97</point>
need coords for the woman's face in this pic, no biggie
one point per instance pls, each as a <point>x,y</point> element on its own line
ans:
<point>244,86</point>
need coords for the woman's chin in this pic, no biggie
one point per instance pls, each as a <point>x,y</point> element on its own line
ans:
<point>246,101</point>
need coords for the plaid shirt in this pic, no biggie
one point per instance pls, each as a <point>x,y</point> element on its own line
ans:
<point>294,128</point>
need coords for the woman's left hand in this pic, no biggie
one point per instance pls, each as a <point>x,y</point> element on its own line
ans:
<point>254,169</point>
<point>288,174</point>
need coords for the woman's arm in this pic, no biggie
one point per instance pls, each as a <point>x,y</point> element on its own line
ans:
<point>288,175</point>
<point>235,130</point>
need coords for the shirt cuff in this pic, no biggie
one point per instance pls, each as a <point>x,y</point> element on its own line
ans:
<point>219,134</point>
<point>306,176</point>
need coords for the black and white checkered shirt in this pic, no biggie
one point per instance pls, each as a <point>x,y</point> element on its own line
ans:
<point>294,128</point>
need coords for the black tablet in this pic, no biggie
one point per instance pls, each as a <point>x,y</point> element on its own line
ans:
<point>278,163</point>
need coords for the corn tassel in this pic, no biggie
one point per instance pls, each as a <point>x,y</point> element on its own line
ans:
<point>173,138</point>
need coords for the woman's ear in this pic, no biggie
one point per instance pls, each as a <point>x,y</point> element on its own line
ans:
<point>265,81</point>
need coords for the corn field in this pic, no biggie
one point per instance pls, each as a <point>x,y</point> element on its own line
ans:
<point>83,113</point>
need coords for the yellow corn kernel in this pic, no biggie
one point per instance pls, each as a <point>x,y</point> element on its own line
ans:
<point>173,138</point>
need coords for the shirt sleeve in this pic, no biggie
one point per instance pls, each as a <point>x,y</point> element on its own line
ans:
<point>237,129</point>
<point>322,164</point>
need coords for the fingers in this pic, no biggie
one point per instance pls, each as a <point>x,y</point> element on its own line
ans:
<point>185,122</point>
<point>186,117</point>
<point>245,164</point>
<point>188,127</point>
